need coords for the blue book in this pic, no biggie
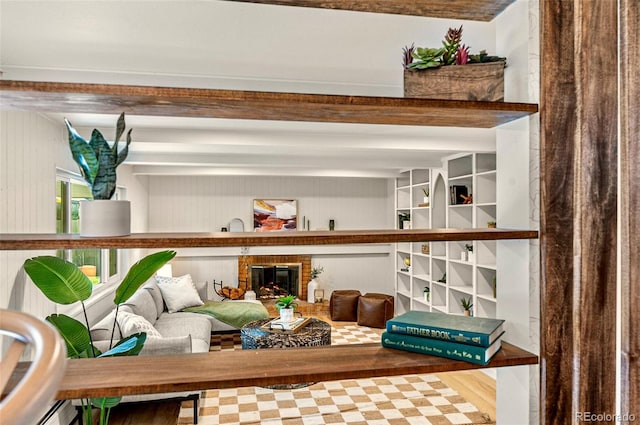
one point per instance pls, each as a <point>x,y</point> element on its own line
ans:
<point>478,331</point>
<point>440,348</point>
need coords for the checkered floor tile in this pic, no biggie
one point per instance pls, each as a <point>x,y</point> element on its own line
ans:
<point>354,334</point>
<point>399,400</point>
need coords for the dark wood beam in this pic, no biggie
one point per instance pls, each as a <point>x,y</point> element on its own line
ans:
<point>31,241</point>
<point>579,118</point>
<point>235,104</point>
<point>630,205</point>
<point>475,10</point>
<point>85,378</point>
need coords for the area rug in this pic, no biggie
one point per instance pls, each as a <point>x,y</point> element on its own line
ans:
<point>398,400</point>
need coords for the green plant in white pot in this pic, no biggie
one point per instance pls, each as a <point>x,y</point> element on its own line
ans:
<point>62,282</point>
<point>287,306</point>
<point>98,162</point>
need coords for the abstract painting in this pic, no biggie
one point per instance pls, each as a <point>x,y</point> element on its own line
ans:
<point>275,215</point>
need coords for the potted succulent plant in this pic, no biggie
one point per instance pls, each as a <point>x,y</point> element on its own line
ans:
<point>436,73</point>
<point>466,304</point>
<point>469,248</point>
<point>287,306</point>
<point>64,283</point>
<point>98,162</point>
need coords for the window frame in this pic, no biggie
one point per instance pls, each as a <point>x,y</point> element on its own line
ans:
<point>106,281</point>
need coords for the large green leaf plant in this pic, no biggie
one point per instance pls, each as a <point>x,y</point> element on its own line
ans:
<point>97,160</point>
<point>62,282</point>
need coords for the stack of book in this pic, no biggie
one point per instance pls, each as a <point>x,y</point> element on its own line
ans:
<point>472,339</point>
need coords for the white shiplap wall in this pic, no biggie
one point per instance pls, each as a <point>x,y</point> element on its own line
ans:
<point>206,203</point>
<point>30,144</point>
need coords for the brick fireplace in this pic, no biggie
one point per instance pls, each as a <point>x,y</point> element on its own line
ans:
<point>245,263</point>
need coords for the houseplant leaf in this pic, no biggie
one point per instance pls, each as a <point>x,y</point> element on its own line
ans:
<point>104,185</point>
<point>83,154</point>
<point>74,334</point>
<point>105,403</point>
<point>129,346</point>
<point>140,272</point>
<point>59,280</point>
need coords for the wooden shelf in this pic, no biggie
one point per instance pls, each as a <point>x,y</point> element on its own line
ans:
<point>234,104</point>
<point>35,241</point>
<point>118,376</point>
<point>476,10</point>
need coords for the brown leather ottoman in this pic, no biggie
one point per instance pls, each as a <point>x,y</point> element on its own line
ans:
<point>374,310</point>
<point>343,305</point>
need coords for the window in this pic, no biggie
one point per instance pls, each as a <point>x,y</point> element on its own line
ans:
<point>100,265</point>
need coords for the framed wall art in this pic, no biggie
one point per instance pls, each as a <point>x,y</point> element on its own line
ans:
<point>275,215</point>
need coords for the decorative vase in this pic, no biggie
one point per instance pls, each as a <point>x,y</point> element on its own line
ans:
<point>105,217</point>
<point>286,314</point>
<point>425,199</point>
<point>477,81</point>
<point>311,290</point>
<point>471,256</point>
<point>463,256</point>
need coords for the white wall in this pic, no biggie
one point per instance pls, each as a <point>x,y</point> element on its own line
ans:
<point>30,146</point>
<point>517,143</point>
<point>205,204</point>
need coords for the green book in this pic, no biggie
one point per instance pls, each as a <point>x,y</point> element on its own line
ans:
<point>440,348</point>
<point>477,331</point>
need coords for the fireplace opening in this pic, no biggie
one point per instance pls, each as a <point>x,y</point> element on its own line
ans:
<point>275,280</point>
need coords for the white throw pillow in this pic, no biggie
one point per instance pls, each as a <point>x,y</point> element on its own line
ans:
<point>178,292</point>
<point>132,324</point>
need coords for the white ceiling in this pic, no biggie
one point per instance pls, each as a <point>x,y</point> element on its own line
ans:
<point>242,46</point>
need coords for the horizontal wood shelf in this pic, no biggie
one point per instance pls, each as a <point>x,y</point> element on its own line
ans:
<point>117,376</point>
<point>475,10</point>
<point>234,104</point>
<point>34,241</point>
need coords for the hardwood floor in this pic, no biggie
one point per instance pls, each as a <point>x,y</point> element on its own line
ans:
<point>475,386</point>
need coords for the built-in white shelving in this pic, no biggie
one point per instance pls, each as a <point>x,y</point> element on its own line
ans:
<point>446,268</point>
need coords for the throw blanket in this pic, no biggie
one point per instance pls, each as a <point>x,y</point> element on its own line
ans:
<point>234,313</point>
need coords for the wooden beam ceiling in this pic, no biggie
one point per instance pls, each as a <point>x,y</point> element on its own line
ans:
<point>475,10</point>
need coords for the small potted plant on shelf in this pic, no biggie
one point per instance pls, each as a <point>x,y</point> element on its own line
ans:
<point>469,248</point>
<point>491,224</point>
<point>436,73</point>
<point>98,161</point>
<point>427,292</point>
<point>313,283</point>
<point>425,198</point>
<point>466,304</point>
<point>287,306</point>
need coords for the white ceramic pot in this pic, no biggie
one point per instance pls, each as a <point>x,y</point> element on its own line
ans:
<point>311,291</point>
<point>104,217</point>
<point>286,314</point>
<point>463,256</point>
